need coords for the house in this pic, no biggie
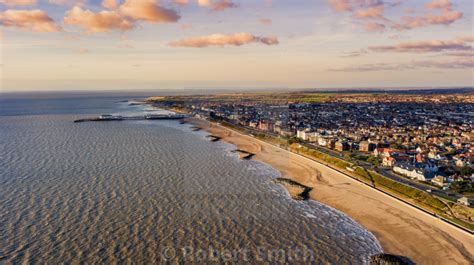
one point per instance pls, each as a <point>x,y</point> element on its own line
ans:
<point>322,141</point>
<point>306,134</point>
<point>331,143</point>
<point>465,201</point>
<point>421,172</point>
<point>302,134</point>
<point>267,126</point>
<point>388,161</point>
<point>366,146</point>
<point>440,181</point>
<point>253,124</point>
<point>383,152</point>
<point>342,146</point>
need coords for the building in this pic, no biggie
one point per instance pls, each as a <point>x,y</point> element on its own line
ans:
<point>383,152</point>
<point>440,181</point>
<point>342,146</point>
<point>303,134</point>
<point>465,201</point>
<point>267,126</point>
<point>388,161</point>
<point>322,141</point>
<point>366,146</point>
<point>331,143</point>
<point>421,172</point>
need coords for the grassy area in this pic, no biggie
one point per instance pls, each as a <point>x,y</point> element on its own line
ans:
<point>321,156</point>
<point>419,196</point>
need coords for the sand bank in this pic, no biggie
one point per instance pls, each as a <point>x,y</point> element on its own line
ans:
<point>400,228</point>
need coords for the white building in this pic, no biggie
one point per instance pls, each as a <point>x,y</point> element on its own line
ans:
<point>421,172</point>
<point>306,134</point>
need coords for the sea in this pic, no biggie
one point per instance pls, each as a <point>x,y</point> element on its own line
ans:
<point>148,191</point>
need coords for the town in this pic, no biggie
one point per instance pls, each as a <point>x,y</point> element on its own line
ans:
<point>422,143</point>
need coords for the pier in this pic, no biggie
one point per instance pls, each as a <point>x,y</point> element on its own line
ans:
<point>107,117</point>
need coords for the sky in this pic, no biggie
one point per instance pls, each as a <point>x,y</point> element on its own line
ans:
<point>192,44</point>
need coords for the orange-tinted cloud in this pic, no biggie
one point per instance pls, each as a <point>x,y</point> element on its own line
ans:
<point>110,4</point>
<point>203,2</point>
<point>32,20</point>
<point>181,2</point>
<point>18,2</point>
<point>446,18</point>
<point>440,4</point>
<point>371,12</point>
<point>97,22</point>
<point>83,50</point>
<point>68,2</point>
<point>374,10</point>
<point>341,5</point>
<point>149,11</point>
<point>424,46</point>
<point>221,5</point>
<point>374,27</point>
<point>224,40</point>
<point>265,21</point>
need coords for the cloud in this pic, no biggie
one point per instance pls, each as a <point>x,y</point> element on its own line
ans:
<point>341,5</point>
<point>224,40</point>
<point>181,2</point>
<point>83,50</point>
<point>374,27</point>
<point>424,46</point>
<point>461,54</point>
<point>18,2</point>
<point>110,4</point>
<point>456,64</point>
<point>447,18</point>
<point>222,5</point>
<point>354,53</point>
<point>97,22</point>
<point>187,26</point>
<point>122,17</point>
<point>149,11</point>
<point>216,5</point>
<point>466,39</point>
<point>265,21</point>
<point>203,2</point>
<point>68,2</point>
<point>374,12</point>
<point>440,4</point>
<point>32,20</point>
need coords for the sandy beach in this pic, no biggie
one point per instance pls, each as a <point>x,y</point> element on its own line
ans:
<point>400,228</point>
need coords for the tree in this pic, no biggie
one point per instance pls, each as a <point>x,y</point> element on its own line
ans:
<point>462,186</point>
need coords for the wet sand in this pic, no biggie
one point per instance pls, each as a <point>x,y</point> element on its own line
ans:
<point>400,229</point>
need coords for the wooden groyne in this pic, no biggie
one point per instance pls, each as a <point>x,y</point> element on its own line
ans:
<point>388,259</point>
<point>244,155</point>
<point>304,190</point>
<point>214,138</point>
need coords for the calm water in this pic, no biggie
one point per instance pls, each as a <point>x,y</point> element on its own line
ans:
<point>146,192</point>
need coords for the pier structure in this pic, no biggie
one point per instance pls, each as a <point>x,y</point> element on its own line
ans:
<point>108,117</point>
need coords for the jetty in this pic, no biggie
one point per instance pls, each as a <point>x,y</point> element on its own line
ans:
<point>108,117</point>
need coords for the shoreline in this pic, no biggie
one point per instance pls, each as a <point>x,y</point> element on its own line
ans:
<point>399,228</point>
